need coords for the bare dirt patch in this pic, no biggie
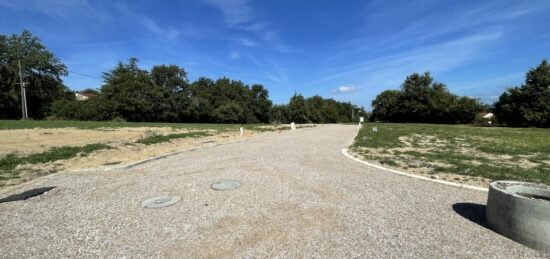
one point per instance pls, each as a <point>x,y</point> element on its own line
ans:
<point>122,141</point>
<point>26,141</point>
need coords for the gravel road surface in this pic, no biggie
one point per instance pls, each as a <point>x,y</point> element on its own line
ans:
<point>299,197</point>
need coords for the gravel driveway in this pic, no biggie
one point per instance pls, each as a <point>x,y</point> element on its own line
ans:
<point>299,197</point>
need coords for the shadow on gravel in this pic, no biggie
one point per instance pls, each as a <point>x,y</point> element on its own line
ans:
<point>472,211</point>
<point>26,195</point>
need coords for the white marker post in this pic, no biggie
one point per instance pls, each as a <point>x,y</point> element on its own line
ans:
<point>292,126</point>
<point>242,131</point>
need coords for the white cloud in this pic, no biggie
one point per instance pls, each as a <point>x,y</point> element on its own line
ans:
<point>345,89</point>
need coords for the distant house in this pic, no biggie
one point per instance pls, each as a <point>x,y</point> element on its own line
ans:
<point>488,116</point>
<point>82,96</point>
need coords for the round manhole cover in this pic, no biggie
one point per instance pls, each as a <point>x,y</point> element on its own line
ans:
<point>226,185</point>
<point>159,202</point>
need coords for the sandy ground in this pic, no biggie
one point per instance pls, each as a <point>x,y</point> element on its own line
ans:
<point>122,140</point>
<point>299,198</point>
<point>25,141</point>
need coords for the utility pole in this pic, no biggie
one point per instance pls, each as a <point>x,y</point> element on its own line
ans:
<point>23,94</point>
<point>352,112</point>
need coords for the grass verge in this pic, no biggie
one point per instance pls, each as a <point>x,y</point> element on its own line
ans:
<point>9,163</point>
<point>154,138</point>
<point>49,124</point>
<point>521,154</point>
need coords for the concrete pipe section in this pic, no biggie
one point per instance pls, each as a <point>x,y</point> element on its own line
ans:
<point>521,212</point>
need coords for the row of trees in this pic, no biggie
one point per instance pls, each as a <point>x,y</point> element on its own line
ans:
<point>421,99</point>
<point>134,94</point>
<point>316,109</point>
<point>164,94</point>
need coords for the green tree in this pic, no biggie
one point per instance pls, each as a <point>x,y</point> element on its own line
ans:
<point>314,109</point>
<point>172,82</point>
<point>279,114</point>
<point>132,95</point>
<point>229,112</point>
<point>260,103</point>
<point>297,109</point>
<point>40,69</point>
<point>528,105</point>
<point>420,99</point>
<point>386,106</point>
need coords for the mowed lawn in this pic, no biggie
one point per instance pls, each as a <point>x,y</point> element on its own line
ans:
<point>486,153</point>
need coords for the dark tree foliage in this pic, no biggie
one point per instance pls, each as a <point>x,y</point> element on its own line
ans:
<point>529,104</point>
<point>40,69</point>
<point>226,100</point>
<point>297,109</point>
<point>423,100</point>
<point>132,95</point>
<point>316,109</point>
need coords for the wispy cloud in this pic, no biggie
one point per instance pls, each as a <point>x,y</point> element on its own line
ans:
<point>436,58</point>
<point>235,12</point>
<point>239,15</point>
<point>69,10</point>
<point>247,42</point>
<point>235,55</point>
<point>167,32</point>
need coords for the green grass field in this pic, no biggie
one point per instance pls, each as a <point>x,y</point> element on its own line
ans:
<point>49,124</point>
<point>52,124</point>
<point>493,153</point>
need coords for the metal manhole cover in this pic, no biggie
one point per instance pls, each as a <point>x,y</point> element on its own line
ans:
<point>159,202</point>
<point>226,185</point>
<point>27,194</point>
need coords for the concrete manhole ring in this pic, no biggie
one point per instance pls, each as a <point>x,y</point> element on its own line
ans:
<point>159,202</point>
<point>520,211</point>
<point>225,185</point>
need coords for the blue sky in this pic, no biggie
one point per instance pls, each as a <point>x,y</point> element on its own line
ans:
<point>347,50</point>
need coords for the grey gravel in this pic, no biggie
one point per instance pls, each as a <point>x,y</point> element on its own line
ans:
<point>300,198</point>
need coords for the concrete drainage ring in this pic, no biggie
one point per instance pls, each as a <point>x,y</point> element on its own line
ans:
<point>521,212</point>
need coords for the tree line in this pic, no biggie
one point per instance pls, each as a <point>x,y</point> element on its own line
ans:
<point>164,94</point>
<point>420,99</point>
<point>161,94</point>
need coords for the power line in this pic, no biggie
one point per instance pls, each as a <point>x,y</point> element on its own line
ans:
<point>84,74</point>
